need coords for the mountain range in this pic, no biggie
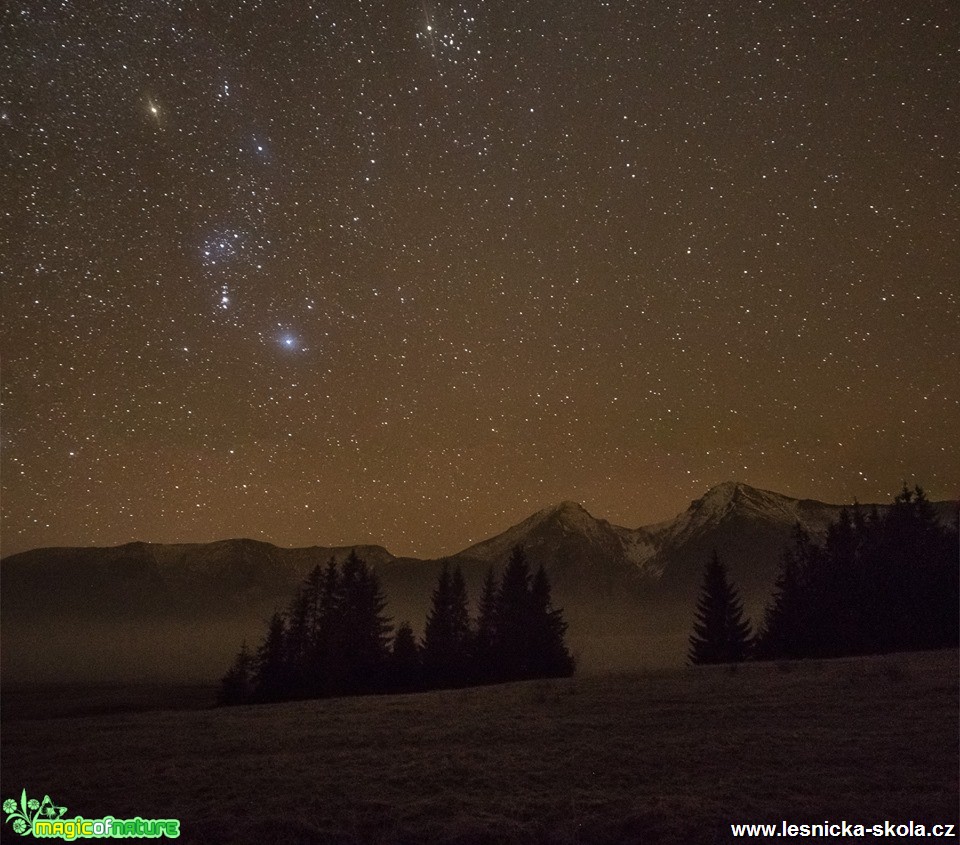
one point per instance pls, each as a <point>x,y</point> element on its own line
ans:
<point>146,611</point>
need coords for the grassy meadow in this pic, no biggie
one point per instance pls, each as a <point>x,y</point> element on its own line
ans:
<point>662,757</point>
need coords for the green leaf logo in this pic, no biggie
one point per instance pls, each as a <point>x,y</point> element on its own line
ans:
<point>24,814</point>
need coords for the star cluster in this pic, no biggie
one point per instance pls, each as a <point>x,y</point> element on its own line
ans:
<point>404,272</point>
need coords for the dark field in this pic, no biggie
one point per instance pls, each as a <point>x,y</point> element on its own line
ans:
<point>50,702</point>
<point>670,757</point>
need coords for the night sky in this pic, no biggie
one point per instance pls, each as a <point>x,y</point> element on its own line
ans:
<point>405,272</point>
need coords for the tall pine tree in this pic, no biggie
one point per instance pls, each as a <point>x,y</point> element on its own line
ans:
<point>549,657</point>
<point>786,631</point>
<point>361,634</point>
<point>406,667</point>
<point>482,654</point>
<point>783,634</point>
<point>720,634</point>
<point>236,687</point>
<point>512,644</point>
<point>446,638</point>
<point>302,623</point>
<point>324,662</point>
<point>272,676</point>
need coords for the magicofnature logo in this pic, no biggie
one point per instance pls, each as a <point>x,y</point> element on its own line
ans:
<point>44,820</point>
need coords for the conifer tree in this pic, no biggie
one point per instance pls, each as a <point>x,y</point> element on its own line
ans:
<point>782,633</point>
<point>437,635</point>
<point>376,630</point>
<point>272,672</point>
<point>406,666</point>
<point>831,583</point>
<point>549,657</point>
<point>446,638</point>
<point>484,638</point>
<point>361,631</point>
<point>324,664</point>
<point>512,644</point>
<point>788,629</point>
<point>459,614</point>
<point>236,687</point>
<point>720,634</point>
<point>302,623</point>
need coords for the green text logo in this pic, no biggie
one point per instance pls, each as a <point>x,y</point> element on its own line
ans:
<point>44,820</point>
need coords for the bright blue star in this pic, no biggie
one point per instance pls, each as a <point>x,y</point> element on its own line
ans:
<point>260,149</point>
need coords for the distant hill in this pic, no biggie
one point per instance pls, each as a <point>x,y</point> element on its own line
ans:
<point>153,611</point>
<point>145,611</point>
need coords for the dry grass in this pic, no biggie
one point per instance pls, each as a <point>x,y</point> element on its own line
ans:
<point>663,757</point>
<point>65,700</point>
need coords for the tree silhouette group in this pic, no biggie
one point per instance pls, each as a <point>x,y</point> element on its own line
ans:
<point>877,583</point>
<point>335,640</point>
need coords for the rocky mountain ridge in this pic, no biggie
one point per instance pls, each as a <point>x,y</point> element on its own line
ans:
<point>144,610</point>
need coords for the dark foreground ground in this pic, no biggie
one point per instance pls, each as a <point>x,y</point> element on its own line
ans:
<point>668,757</point>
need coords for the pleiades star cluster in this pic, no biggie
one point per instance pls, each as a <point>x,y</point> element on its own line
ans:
<point>404,272</point>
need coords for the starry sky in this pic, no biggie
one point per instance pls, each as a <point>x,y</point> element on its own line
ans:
<point>405,272</point>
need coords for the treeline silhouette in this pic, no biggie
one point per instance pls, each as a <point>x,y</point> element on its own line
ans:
<point>335,640</point>
<point>878,583</point>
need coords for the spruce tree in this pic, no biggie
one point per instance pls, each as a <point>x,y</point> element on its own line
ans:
<point>236,687</point>
<point>376,631</point>
<point>272,672</point>
<point>549,657</point>
<point>324,664</point>
<point>459,614</point>
<point>406,668</point>
<point>446,638</point>
<point>297,643</point>
<point>832,583</point>
<point>482,647</point>
<point>787,631</point>
<point>512,644</point>
<point>720,634</point>
<point>782,633</point>
<point>437,636</point>
<point>302,623</point>
<point>361,633</point>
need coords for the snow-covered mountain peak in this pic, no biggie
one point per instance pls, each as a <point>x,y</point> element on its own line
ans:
<point>736,497</point>
<point>549,528</point>
<point>570,513</point>
<point>726,490</point>
<point>723,497</point>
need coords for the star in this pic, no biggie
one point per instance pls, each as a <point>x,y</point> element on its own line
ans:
<point>289,342</point>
